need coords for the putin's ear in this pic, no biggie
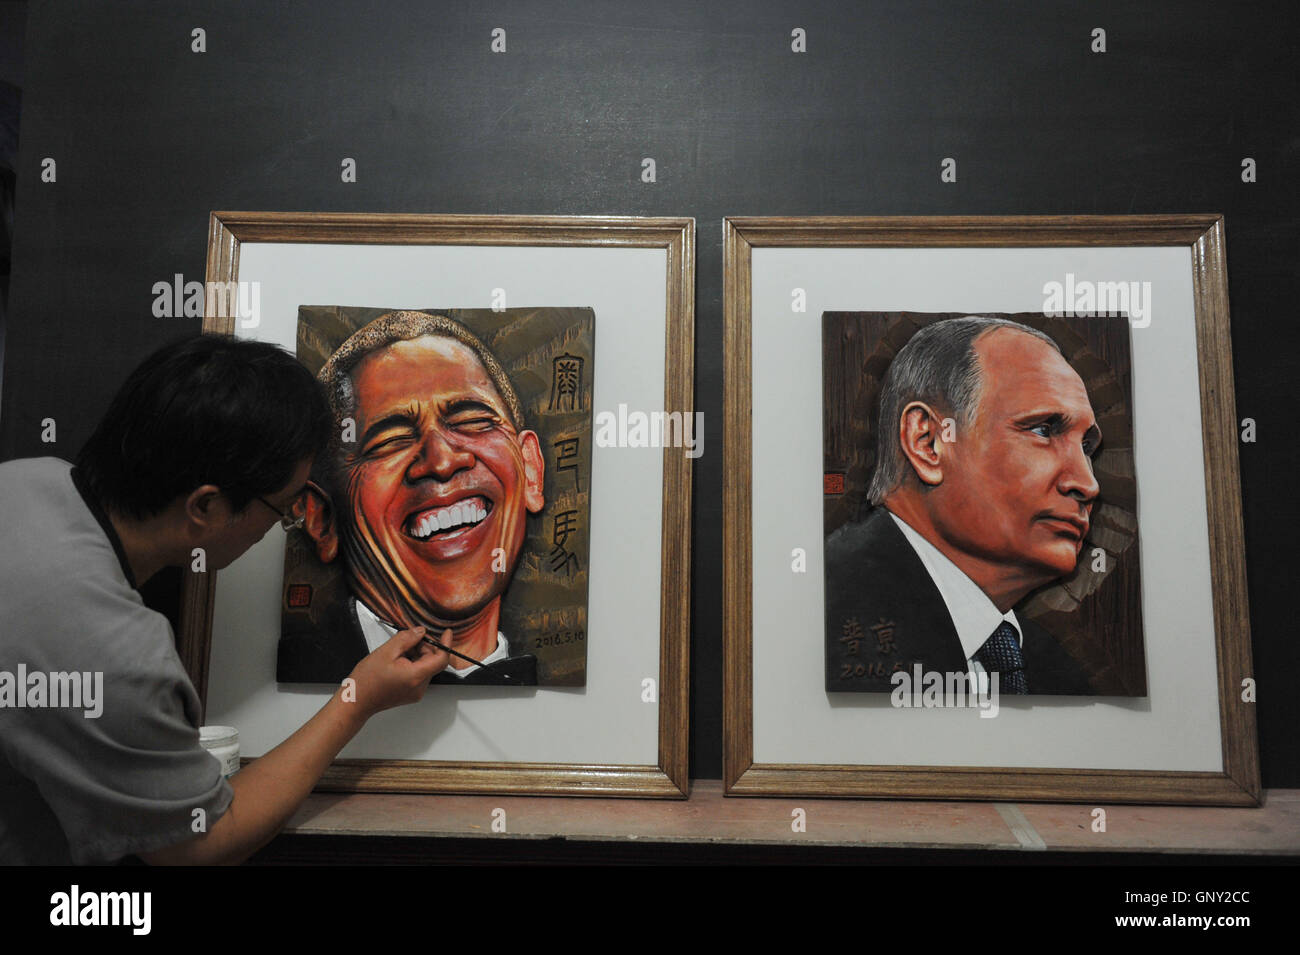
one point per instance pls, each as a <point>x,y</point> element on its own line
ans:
<point>920,433</point>
<point>315,505</point>
<point>534,471</point>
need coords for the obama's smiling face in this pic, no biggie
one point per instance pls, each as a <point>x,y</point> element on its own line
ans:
<point>437,486</point>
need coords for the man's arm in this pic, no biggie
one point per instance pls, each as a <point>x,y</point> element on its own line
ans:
<point>270,789</point>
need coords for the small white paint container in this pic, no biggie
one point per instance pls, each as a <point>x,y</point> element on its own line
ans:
<point>223,743</point>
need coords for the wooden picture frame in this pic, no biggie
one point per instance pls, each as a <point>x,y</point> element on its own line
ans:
<point>1237,783</point>
<point>231,233</point>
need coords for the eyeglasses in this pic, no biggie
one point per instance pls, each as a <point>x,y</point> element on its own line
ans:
<point>287,521</point>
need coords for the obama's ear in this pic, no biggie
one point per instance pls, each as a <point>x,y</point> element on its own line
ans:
<point>534,471</point>
<point>320,523</point>
<point>924,437</point>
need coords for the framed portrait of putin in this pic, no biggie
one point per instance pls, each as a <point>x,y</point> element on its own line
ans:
<point>982,512</point>
<point>473,485</point>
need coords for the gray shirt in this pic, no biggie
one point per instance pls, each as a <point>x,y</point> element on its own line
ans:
<point>76,785</point>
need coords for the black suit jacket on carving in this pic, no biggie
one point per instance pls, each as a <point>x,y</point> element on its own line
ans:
<point>874,579</point>
<point>326,648</point>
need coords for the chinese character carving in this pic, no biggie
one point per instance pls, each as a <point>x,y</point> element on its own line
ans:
<point>566,449</point>
<point>566,383</point>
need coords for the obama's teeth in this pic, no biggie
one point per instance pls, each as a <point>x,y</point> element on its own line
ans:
<point>464,513</point>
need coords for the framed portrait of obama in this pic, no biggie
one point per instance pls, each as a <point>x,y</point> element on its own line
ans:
<point>467,361</point>
<point>1010,564</point>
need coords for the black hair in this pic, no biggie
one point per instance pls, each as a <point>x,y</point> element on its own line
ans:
<point>206,410</point>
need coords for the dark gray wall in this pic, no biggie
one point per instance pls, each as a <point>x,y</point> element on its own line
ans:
<point>149,137</point>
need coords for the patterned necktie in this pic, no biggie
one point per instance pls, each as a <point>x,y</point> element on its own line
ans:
<point>1001,654</point>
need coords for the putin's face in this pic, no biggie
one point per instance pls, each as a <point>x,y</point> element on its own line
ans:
<point>1018,486</point>
<point>438,485</point>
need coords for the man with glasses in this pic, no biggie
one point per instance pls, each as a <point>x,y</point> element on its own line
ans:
<point>205,448</point>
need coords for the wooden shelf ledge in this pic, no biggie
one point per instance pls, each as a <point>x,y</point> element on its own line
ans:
<point>709,818</point>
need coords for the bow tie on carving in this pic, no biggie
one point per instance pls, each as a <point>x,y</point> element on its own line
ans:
<point>1001,654</point>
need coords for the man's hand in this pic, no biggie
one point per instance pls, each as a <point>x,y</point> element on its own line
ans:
<point>398,672</point>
